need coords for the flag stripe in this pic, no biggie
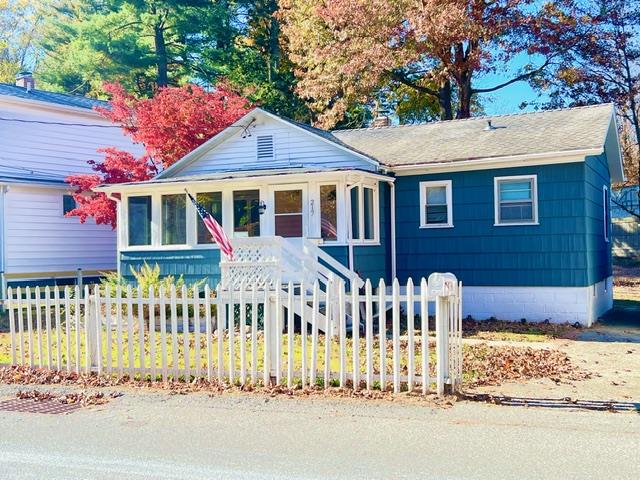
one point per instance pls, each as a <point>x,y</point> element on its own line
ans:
<point>217,232</point>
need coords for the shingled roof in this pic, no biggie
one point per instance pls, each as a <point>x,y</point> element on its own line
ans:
<point>552,131</point>
<point>64,99</point>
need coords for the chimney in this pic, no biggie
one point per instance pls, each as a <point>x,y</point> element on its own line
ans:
<point>381,121</point>
<point>25,80</point>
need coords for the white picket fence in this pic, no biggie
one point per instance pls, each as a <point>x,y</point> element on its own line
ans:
<point>247,335</point>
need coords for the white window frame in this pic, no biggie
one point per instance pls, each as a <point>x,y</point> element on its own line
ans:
<point>340,212</point>
<point>423,203</point>
<point>606,211</point>
<point>376,214</point>
<point>496,200</point>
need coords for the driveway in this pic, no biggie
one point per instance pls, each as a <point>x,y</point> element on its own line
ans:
<point>159,436</point>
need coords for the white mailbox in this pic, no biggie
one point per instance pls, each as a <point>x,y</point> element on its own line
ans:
<point>442,285</point>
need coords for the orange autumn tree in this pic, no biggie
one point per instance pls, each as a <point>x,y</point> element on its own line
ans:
<point>169,125</point>
<point>346,51</point>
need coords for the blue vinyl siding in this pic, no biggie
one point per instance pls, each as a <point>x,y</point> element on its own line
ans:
<point>194,265</point>
<point>598,250</point>
<point>553,253</point>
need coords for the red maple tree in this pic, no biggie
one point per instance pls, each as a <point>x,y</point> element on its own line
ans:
<point>169,125</point>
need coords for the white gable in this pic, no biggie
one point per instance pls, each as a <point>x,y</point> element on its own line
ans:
<point>268,142</point>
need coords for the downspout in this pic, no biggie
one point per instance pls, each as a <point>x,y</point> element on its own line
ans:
<point>350,226</point>
<point>392,194</point>
<point>3,241</point>
<point>118,199</point>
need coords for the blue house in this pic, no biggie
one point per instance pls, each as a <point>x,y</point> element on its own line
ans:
<point>516,206</point>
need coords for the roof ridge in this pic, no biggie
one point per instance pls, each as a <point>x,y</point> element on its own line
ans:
<point>481,117</point>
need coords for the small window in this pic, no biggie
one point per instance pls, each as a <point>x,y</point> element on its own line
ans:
<point>68,204</point>
<point>288,213</point>
<point>328,212</point>
<point>265,147</point>
<point>516,200</point>
<point>174,219</point>
<point>246,213</point>
<point>364,214</point>
<point>436,209</point>
<point>606,206</point>
<point>139,219</point>
<point>212,201</point>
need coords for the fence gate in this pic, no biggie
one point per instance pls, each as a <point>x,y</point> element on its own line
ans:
<point>297,335</point>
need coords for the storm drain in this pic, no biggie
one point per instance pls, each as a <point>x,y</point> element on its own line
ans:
<point>28,405</point>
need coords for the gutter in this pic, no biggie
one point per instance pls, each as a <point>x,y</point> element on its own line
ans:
<point>498,160</point>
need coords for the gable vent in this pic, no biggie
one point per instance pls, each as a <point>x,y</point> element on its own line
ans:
<point>265,147</point>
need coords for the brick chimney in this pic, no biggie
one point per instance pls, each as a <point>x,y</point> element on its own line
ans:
<point>25,80</point>
<point>381,121</point>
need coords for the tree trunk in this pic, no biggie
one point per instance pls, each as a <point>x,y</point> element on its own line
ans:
<point>444,98</point>
<point>161,56</point>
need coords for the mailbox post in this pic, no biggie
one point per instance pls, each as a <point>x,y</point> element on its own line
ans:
<point>442,287</point>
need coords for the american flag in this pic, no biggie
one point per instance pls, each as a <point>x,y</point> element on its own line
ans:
<point>215,229</point>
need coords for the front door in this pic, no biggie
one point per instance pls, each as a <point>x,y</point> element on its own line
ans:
<point>289,211</point>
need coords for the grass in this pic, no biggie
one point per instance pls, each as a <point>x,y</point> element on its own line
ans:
<point>110,352</point>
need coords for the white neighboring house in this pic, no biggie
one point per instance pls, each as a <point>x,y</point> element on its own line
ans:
<point>44,137</point>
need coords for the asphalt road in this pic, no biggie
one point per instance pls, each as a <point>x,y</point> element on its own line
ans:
<point>161,436</point>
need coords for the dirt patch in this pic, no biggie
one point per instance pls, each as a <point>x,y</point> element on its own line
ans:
<point>494,365</point>
<point>614,374</point>
<point>626,282</point>
<point>493,329</point>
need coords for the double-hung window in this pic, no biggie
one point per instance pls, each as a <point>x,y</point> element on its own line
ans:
<point>436,210</point>
<point>606,205</point>
<point>174,219</point>
<point>364,213</point>
<point>139,220</point>
<point>516,200</point>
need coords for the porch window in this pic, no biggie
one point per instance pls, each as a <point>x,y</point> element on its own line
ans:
<point>364,214</point>
<point>246,215</point>
<point>288,213</point>
<point>212,201</point>
<point>139,220</point>
<point>328,212</point>
<point>436,204</point>
<point>516,200</point>
<point>174,219</point>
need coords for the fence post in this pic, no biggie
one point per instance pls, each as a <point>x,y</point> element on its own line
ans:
<point>91,325</point>
<point>271,330</point>
<point>442,348</point>
<point>79,280</point>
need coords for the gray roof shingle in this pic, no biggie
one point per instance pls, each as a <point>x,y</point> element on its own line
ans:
<point>65,99</point>
<point>533,133</point>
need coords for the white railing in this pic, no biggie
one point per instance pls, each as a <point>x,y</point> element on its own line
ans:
<point>264,260</point>
<point>248,335</point>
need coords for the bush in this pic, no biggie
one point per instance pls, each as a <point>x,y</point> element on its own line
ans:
<point>146,278</point>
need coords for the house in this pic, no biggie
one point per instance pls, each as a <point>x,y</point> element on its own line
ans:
<point>44,137</point>
<point>516,206</point>
<point>626,226</point>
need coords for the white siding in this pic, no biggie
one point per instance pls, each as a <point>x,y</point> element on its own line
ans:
<point>39,239</point>
<point>53,150</point>
<point>293,147</point>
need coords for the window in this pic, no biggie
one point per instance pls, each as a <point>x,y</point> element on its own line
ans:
<point>436,210</point>
<point>328,212</point>
<point>264,145</point>
<point>139,220</point>
<point>68,204</point>
<point>174,219</point>
<point>516,200</point>
<point>606,206</point>
<point>246,215</point>
<point>364,213</point>
<point>288,213</point>
<point>212,201</point>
